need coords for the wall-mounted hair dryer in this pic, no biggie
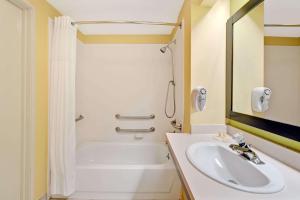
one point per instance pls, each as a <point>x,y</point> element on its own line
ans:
<point>260,99</point>
<point>199,95</point>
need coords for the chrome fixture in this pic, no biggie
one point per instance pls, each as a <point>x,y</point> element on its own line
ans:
<point>80,117</point>
<point>171,82</point>
<point>283,25</point>
<point>176,125</point>
<point>118,116</point>
<point>244,150</point>
<point>128,22</point>
<point>168,156</point>
<point>164,48</point>
<point>152,129</point>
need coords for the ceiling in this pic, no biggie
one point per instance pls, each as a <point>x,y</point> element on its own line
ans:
<point>282,12</point>
<point>113,10</point>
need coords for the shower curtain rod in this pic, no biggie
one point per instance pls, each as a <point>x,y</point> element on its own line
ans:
<point>128,22</point>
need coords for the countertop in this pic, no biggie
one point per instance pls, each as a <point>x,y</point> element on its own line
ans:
<point>201,187</point>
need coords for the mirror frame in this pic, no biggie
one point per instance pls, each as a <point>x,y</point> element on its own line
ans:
<point>279,128</point>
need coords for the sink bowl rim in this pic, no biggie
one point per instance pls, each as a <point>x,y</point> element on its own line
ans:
<point>276,181</point>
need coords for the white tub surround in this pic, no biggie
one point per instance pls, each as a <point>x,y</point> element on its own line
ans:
<point>125,171</point>
<point>199,186</point>
<point>129,79</point>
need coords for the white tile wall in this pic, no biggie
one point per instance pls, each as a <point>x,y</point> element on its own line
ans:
<point>130,79</point>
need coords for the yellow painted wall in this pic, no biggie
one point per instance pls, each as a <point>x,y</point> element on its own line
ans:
<point>248,60</point>
<point>125,39</point>
<point>282,41</point>
<point>198,12</point>
<point>235,5</point>
<point>186,17</point>
<point>42,12</point>
<point>209,59</point>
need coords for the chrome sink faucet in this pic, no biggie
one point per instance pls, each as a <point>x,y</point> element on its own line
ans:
<point>244,150</point>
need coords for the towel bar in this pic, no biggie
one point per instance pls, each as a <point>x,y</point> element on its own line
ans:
<point>80,117</point>
<point>118,116</point>
<point>118,129</point>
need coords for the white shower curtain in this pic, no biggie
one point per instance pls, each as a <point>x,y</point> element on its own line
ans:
<point>62,139</point>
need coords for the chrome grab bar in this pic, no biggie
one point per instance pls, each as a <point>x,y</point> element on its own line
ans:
<point>80,117</point>
<point>118,116</point>
<point>118,129</point>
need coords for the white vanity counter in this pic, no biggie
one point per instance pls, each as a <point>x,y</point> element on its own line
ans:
<point>201,187</point>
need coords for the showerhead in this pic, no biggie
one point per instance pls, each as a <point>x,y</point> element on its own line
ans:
<point>164,49</point>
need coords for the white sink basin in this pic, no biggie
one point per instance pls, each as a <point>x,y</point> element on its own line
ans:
<point>222,164</point>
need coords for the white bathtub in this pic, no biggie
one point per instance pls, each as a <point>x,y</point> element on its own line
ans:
<point>125,171</point>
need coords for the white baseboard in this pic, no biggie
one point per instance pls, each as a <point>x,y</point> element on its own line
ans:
<point>208,128</point>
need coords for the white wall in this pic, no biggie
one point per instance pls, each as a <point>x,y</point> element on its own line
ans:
<point>208,60</point>
<point>119,78</point>
<point>282,75</point>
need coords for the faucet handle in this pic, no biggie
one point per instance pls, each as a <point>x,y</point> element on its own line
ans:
<point>239,138</point>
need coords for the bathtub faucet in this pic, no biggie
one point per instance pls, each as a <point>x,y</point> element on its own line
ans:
<point>176,125</point>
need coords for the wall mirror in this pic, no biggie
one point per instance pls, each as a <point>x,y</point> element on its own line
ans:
<point>263,66</point>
